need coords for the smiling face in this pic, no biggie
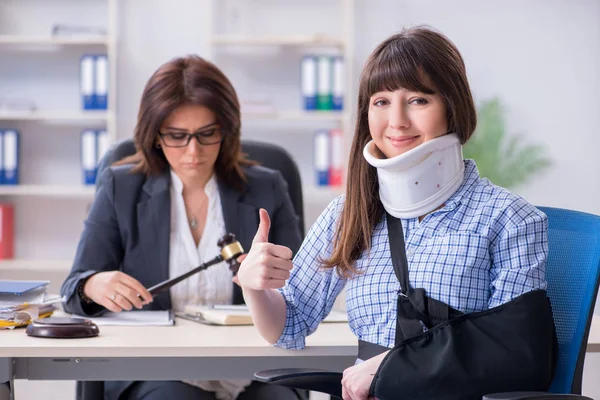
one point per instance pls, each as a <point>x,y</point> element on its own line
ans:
<point>401,120</point>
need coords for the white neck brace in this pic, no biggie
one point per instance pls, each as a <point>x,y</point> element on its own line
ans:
<point>422,179</point>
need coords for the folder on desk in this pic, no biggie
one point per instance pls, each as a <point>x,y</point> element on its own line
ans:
<point>9,287</point>
<point>308,79</point>
<point>86,81</point>
<point>89,154</point>
<point>133,318</point>
<point>101,82</point>
<point>10,157</point>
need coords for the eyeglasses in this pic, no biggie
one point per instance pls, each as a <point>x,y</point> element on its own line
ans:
<point>206,137</point>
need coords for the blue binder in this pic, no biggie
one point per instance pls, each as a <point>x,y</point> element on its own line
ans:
<point>89,156</point>
<point>338,83</point>
<point>321,157</point>
<point>308,85</point>
<point>1,156</point>
<point>10,156</point>
<point>87,82</point>
<point>101,82</point>
<point>19,288</point>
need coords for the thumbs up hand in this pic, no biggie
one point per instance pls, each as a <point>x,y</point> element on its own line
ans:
<point>267,265</point>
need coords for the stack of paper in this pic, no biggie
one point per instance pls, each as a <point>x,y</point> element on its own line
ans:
<point>23,301</point>
<point>133,318</point>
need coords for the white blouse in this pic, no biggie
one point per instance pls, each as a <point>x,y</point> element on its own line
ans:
<point>211,286</point>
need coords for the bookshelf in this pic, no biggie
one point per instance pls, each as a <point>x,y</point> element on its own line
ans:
<point>257,35</point>
<point>50,202</point>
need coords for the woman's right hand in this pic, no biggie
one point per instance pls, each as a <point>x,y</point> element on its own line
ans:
<point>267,265</point>
<point>116,291</point>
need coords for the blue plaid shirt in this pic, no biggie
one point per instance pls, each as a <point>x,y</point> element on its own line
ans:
<point>485,247</point>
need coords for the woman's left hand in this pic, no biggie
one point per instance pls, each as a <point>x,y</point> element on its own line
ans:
<point>357,379</point>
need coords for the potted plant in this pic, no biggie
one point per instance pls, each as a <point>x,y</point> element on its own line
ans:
<point>504,159</point>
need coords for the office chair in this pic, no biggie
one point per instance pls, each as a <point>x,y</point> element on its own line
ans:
<point>268,155</point>
<point>573,274</point>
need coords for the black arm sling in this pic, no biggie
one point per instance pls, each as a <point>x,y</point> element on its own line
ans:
<point>442,353</point>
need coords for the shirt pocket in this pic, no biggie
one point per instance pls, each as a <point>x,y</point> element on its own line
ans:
<point>454,267</point>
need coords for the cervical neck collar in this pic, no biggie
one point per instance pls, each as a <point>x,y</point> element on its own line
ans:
<point>419,181</point>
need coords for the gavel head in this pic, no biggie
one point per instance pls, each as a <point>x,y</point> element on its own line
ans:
<point>231,249</point>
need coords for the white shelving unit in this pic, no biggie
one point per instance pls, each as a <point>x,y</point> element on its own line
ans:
<point>285,47</point>
<point>58,116</point>
<point>49,40</point>
<point>51,201</point>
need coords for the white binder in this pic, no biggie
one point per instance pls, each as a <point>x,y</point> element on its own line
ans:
<point>101,82</point>
<point>308,77</point>
<point>103,144</point>
<point>10,157</point>
<point>321,157</point>
<point>86,82</point>
<point>338,83</point>
<point>89,152</point>
<point>324,83</point>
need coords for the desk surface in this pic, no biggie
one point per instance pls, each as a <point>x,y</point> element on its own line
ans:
<point>185,339</point>
<point>190,339</point>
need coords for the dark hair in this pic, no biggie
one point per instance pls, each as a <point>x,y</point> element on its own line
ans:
<point>181,81</point>
<point>418,59</point>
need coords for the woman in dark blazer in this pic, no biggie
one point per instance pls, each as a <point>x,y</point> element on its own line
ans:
<point>160,213</point>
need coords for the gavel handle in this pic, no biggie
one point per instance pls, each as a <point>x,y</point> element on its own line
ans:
<point>161,287</point>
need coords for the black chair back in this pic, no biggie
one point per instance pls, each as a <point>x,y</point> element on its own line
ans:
<point>268,155</point>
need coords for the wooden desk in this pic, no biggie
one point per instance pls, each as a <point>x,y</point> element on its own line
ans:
<point>187,350</point>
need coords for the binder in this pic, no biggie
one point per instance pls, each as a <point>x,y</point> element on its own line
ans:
<point>324,93</point>
<point>308,77</point>
<point>10,157</point>
<point>7,231</point>
<point>1,156</point>
<point>20,287</point>
<point>103,144</point>
<point>337,149</point>
<point>321,157</point>
<point>89,161</point>
<point>86,82</point>
<point>337,100</point>
<point>101,82</point>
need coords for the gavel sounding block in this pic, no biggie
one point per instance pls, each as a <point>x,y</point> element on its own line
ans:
<point>62,328</point>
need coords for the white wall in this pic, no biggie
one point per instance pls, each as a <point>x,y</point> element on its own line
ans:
<point>541,57</point>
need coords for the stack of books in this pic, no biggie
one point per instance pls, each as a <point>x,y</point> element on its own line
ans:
<point>24,301</point>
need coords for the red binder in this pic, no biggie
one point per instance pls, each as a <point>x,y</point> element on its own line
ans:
<point>336,167</point>
<point>7,231</point>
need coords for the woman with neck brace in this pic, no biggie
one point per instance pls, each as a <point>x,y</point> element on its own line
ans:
<point>469,244</point>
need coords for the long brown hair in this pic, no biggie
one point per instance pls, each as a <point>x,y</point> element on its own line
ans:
<point>418,59</point>
<point>189,80</point>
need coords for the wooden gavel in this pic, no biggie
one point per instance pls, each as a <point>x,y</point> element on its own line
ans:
<point>231,249</point>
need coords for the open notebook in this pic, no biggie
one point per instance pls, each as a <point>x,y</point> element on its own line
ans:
<point>237,315</point>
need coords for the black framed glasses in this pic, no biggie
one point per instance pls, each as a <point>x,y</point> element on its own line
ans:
<point>205,137</point>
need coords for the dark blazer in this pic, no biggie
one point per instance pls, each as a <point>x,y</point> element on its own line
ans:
<point>128,229</point>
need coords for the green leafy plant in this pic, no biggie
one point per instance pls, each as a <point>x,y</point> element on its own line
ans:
<point>504,159</point>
